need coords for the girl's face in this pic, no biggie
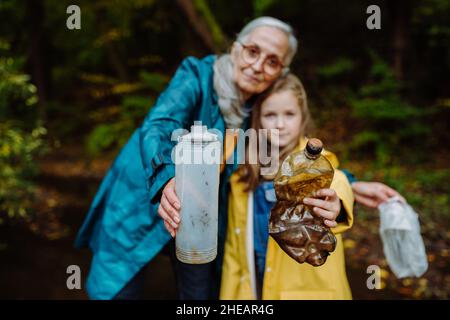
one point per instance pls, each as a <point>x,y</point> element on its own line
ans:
<point>281,111</point>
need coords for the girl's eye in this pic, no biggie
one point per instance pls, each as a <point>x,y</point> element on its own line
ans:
<point>269,115</point>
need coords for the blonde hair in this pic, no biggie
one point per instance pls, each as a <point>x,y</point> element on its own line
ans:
<point>250,173</point>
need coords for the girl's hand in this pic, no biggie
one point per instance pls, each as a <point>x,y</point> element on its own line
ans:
<point>327,208</point>
<point>169,208</point>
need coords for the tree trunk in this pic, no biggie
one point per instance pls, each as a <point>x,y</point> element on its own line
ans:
<point>401,13</point>
<point>113,55</point>
<point>199,25</point>
<point>37,55</point>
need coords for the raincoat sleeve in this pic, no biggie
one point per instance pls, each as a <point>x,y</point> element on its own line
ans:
<point>335,162</point>
<point>175,108</point>
<point>342,186</point>
<point>344,191</point>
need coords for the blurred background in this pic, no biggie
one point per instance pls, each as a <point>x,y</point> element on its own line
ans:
<point>69,99</point>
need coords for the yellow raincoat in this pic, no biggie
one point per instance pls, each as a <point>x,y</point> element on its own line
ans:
<point>284,278</point>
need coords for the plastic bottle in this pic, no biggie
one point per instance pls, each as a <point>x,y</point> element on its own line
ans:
<point>298,231</point>
<point>197,186</point>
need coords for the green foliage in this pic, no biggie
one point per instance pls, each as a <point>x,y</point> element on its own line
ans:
<point>18,150</point>
<point>342,65</point>
<point>126,117</point>
<point>100,138</point>
<point>332,85</point>
<point>431,17</point>
<point>260,6</point>
<point>426,189</point>
<point>17,94</point>
<point>154,81</point>
<point>19,145</point>
<point>378,104</point>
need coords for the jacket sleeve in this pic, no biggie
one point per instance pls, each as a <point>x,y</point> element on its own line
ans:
<point>342,186</point>
<point>331,157</point>
<point>174,109</point>
<point>344,191</point>
<point>335,163</point>
<point>350,176</point>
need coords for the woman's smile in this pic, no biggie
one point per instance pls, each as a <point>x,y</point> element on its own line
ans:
<point>250,78</point>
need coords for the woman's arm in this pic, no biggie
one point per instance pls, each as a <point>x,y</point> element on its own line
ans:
<point>174,109</point>
<point>372,194</point>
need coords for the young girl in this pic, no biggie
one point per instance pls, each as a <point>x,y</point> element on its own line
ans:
<point>254,266</point>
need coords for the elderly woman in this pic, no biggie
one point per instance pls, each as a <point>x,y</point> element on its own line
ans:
<point>122,227</point>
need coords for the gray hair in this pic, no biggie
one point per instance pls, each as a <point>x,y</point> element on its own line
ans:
<point>230,99</point>
<point>275,23</point>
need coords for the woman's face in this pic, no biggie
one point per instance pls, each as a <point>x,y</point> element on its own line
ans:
<point>281,111</point>
<point>251,78</point>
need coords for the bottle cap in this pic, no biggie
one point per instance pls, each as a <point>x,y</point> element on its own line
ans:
<point>314,147</point>
<point>199,134</point>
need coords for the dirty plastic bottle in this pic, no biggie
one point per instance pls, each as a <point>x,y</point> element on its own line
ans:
<point>197,186</point>
<point>300,233</point>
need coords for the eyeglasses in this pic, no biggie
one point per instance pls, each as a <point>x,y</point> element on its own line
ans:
<point>251,54</point>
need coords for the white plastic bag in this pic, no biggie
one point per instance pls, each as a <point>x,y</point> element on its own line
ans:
<point>402,243</point>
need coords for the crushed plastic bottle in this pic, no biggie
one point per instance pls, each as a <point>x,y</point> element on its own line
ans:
<point>300,233</point>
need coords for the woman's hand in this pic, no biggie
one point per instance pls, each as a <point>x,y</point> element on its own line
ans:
<point>169,208</point>
<point>372,194</point>
<point>327,208</point>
